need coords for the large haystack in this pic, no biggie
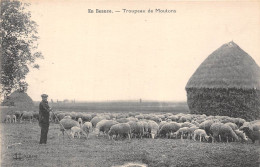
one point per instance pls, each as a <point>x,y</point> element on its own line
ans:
<point>226,83</point>
<point>20,100</point>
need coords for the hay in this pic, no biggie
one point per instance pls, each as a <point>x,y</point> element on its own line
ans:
<point>19,100</point>
<point>226,83</point>
<point>227,67</point>
<point>228,102</point>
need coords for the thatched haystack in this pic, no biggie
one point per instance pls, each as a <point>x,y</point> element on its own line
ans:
<point>226,83</point>
<point>19,100</point>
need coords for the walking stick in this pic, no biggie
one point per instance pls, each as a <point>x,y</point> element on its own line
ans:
<point>60,123</point>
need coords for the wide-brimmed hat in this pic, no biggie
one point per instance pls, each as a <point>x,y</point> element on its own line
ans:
<point>44,95</point>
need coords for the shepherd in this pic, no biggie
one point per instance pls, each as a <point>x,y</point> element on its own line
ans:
<point>44,114</point>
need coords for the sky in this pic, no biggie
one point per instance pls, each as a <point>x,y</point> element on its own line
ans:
<point>126,56</point>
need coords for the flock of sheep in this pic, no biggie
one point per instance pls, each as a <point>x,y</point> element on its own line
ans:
<point>156,125</point>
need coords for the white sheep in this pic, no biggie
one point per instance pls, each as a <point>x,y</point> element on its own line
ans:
<point>7,119</point>
<point>201,133</point>
<point>67,124</point>
<point>77,130</point>
<point>153,128</point>
<point>87,128</point>
<point>221,130</point>
<point>241,134</point>
<point>13,118</point>
<point>182,131</point>
<point>80,122</point>
<point>120,129</point>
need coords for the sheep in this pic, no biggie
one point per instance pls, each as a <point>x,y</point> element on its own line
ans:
<point>252,134</point>
<point>232,125</point>
<point>241,134</point>
<point>67,117</point>
<point>153,128</point>
<point>104,126</point>
<point>182,131</point>
<point>201,133</point>
<point>96,119</point>
<point>222,130</point>
<point>161,124</point>
<point>87,128</point>
<point>120,129</point>
<point>139,116</point>
<point>13,118</point>
<point>17,114</point>
<point>191,131</point>
<point>122,120</point>
<point>67,124</point>
<point>206,126</point>
<point>60,116</point>
<point>86,117</point>
<point>7,119</point>
<point>169,128</point>
<point>173,118</point>
<point>215,129</point>
<point>137,128</point>
<point>145,125</point>
<point>27,115</point>
<point>186,124</point>
<point>77,130</point>
<point>80,121</point>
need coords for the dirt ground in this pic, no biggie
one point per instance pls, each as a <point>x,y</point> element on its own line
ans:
<point>102,152</point>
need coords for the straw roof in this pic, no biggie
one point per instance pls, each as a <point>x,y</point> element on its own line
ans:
<point>227,67</point>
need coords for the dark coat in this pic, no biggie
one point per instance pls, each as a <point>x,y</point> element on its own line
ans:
<point>44,113</point>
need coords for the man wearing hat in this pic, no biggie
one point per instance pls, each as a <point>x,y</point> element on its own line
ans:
<point>44,114</point>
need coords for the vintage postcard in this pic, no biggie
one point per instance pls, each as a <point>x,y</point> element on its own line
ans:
<point>130,83</point>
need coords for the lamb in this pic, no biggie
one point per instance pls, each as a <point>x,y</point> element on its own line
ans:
<point>87,128</point>
<point>120,129</point>
<point>201,133</point>
<point>168,128</point>
<point>182,131</point>
<point>77,130</point>
<point>153,128</point>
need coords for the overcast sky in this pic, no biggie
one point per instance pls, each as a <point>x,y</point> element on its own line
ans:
<point>119,56</point>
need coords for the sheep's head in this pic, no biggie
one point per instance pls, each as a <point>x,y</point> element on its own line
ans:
<point>207,138</point>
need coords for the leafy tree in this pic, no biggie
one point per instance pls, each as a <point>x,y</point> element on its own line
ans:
<point>18,45</point>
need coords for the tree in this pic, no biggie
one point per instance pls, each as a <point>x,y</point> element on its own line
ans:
<point>18,45</point>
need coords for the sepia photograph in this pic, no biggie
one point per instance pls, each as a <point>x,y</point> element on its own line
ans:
<point>88,83</point>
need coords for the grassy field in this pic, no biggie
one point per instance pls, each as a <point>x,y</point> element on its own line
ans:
<point>102,152</point>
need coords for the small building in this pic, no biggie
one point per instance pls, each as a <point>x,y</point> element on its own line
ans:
<point>227,83</point>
